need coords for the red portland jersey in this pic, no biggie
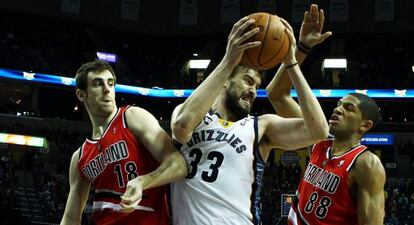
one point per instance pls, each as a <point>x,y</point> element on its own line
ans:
<point>109,163</point>
<point>323,196</point>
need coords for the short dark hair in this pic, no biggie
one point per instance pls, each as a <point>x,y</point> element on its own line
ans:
<point>369,108</point>
<point>96,66</point>
<point>243,67</point>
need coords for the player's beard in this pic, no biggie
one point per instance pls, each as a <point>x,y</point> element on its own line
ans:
<point>233,104</point>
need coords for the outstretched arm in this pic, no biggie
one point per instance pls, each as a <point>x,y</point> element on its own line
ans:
<point>369,177</point>
<point>278,90</point>
<point>78,194</point>
<point>296,133</point>
<point>173,166</point>
<point>189,114</point>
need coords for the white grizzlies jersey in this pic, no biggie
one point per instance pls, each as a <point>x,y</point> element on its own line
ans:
<point>224,178</point>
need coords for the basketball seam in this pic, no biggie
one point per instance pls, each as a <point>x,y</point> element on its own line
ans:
<point>284,39</point>
<point>264,39</point>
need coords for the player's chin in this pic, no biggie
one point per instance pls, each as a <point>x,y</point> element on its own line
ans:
<point>244,110</point>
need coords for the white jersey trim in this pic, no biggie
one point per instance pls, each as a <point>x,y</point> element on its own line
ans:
<point>100,206</point>
<point>353,160</point>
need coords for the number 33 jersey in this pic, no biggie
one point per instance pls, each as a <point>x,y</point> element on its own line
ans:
<point>224,178</point>
<point>109,163</point>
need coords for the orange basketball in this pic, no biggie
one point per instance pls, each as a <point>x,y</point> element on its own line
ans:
<point>274,42</point>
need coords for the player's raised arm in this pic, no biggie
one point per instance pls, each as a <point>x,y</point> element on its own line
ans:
<point>278,90</point>
<point>296,133</point>
<point>189,114</point>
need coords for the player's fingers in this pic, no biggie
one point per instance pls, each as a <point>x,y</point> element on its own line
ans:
<point>126,208</point>
<point>242,29</point>
<point>248,35</point>
<point>250,45</point>
<point>238,24</point>
<point>287,25</point>
<point>325,36</point>
<point>314,13</point>
<point>128,196</point>
<point>321,18</point>
<point>306,17</point>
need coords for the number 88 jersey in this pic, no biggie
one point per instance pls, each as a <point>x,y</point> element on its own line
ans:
<point>323,196</point>
<point>224,179</point>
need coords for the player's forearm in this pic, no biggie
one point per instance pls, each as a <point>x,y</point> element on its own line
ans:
<point>280,84</point>
<point>373,219</point>
<point>171,169</point>
<point>311,110</point>
<point>197,105</point>
<point>66,220</point>
<point>278,91</point>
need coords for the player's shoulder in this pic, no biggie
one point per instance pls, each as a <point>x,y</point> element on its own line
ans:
<point>368,165</point>
<point>135,112</point>
<point>368,161</point>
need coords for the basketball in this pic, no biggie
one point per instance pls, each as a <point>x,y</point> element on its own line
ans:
<point>274,42</point>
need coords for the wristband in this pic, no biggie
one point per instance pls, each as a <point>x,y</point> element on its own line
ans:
<point>303,48</point>
<point>290,66</point>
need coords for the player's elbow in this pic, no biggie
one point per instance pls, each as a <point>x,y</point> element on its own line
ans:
<point>181,130</point>
<point>319,132</point>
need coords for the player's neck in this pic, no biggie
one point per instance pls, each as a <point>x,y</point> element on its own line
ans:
<point>341,146</point>
<point>220,108</point>
<point>100,123</point>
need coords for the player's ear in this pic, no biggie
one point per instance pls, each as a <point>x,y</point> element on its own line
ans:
<point>366,125</point>
<point>81,95</point>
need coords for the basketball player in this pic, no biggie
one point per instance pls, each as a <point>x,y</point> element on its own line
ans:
<point>223,144</point>
<point>121,160</point>
<point>343,182</point>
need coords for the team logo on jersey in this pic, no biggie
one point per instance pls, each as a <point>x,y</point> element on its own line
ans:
<point>243,123</point>
<point>341,163</point>
<point>207,120</point>
<point>217,136</point>
<point>321,178</point>
<point>114,130</point>
<point>113,153</point>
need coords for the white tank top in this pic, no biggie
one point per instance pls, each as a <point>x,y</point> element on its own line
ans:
<point>225,173</point>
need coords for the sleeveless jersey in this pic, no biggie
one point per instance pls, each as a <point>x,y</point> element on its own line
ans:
<point>109,163</point>
<point>224,179</point>
<point>323,196</point>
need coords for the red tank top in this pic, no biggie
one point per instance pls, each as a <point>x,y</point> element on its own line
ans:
<point>109,163</point>
<point>323,196</point>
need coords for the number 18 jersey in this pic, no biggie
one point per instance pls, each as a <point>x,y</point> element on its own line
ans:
<point>224,179</point>
<point>109,163</point>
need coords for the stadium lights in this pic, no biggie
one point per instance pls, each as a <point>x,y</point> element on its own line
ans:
<point>199,63</point>
<point>334,64</point>
<point>412,68</point>
<point>23,140</point>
